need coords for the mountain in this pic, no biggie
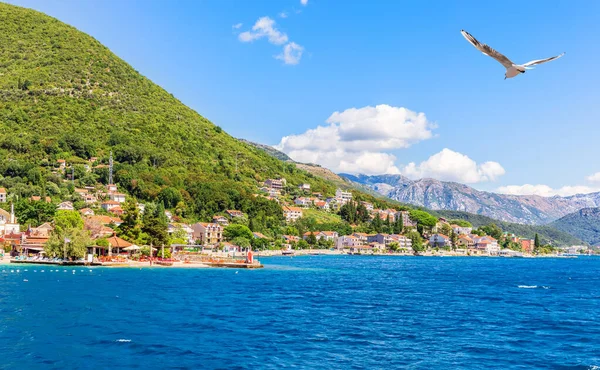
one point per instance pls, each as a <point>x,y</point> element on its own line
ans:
<point>584,224</point>
<point>269,150</point>
<point>63,95</point>
<point>441,195</point>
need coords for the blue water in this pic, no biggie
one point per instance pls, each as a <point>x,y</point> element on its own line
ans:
<point>307,312</point>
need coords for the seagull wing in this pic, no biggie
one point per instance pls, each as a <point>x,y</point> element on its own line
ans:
<point>540,61</point>
<point>487,50</point>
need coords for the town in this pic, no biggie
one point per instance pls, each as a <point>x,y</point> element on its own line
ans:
<point>111,225</point>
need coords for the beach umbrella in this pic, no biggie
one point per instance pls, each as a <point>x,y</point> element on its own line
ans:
<point>132,248</point>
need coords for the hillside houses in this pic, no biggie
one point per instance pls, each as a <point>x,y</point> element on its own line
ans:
<point>291,214</point>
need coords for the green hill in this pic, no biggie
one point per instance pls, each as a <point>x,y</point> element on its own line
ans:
<point>584,224</point>
<point>66,96</point>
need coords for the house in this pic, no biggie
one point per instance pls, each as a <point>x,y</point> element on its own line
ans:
<point>439,240</point>
<point>528,245</point>
<point>367,205</point>
<point>117,211</point>
<point>221,220</point>
<point>44,230</point>
<point>81,191</point>
<point>36,198</point>
<point>362,237</point>
<point>380,238</point>
<point>291,214</point>
<point>320,204</point>
<point>207,233</point>
<point>3,195</point>
<point>8,222</point>
<point>86,212</point>
<point>347,241</point>
<point>403,241</point>
<point>65,206</point>
<point>234,213</point>
<point>62,164</point>
<point>289,239</point>
<point>322,235</point>
<point>466,241</point>
<point>111,188</point>
<point>343,197</point>
<point>271,191</point>
<point>109,204</point>
<point>105,220</point>
<point>487,244</point>
<point>172,227</point>
<point>117,197</point>
<point>461,230</point>
<point>258,235</point>
<point>303,202</point>
<point>89,198</point>
<point>277,184</point>
<point>304,187</point>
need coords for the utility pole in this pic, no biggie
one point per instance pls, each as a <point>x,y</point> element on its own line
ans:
<point>110,169</point>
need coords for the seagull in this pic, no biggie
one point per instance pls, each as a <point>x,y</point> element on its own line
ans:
<point>512,69</point>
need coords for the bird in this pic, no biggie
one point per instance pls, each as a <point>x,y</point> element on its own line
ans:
<point>512,69</point>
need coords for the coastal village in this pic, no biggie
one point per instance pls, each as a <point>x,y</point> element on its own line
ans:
<point>101,208</point>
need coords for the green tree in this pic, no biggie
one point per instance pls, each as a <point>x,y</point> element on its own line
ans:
<point>536,242</point>
<point>492,230</point>
<point>454,239</point>
<point>155,224</point>
<point>71,242</point>
<point>170,197</point>
<point>233,231</point>
<point>302,244</point>
<point>65,220</point>
<point>131,228</point>
<point>398,226</point>
<point>178,236</point>
<point>311,239</point>
<point>241,241</point>
<point>394,246</point>
<point>417,241</point>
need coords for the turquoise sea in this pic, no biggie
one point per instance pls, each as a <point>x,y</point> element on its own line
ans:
<point>314,312</point>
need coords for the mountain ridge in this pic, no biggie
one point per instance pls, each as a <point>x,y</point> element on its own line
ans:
<point>441,195</point>
<point>584,224</point>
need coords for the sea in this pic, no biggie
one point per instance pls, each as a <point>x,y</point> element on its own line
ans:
<point>311,312</point>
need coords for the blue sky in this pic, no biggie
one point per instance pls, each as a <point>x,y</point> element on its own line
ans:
<point>394,57</point>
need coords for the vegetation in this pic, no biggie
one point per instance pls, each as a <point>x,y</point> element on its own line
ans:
<point>547,234</point>
<point>585,224</point>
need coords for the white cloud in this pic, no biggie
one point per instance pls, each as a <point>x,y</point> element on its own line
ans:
<point>264,27</point>
<point>291,53</point>
<point>237,26</point>
<point>304,2</point>
<point>356,139</point>
<point>283,15</point>
<point>449,165</point>
<point>545,190</point>
<point>594,178</point>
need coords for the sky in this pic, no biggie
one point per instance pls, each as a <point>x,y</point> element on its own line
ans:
<point>378,87</point>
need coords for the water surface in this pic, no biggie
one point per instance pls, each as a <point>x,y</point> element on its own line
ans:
<point>318,312</point>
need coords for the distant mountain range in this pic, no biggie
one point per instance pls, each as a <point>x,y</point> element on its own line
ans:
<point>585,224</point>
<point>442,195</point>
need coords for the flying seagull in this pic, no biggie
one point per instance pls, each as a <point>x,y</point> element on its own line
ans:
<point>512,69</point>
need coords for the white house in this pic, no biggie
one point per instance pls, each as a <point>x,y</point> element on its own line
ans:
<point>65,206</point>
<point>439,240</point>
<point>343,197</point>
<point>461,230</point>
<point>292,213</point>
<point>303,202</point>
<point>117,197</point>
<point>304,187</point>
<point>3,195</point>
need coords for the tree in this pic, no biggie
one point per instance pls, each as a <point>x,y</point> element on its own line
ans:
<point>241,241</point>
<point>388,224</point>
<point>178,236</point>
<point>131,228</point>
<point>302,244</point>
<point>394,246</point>
<point>454,239</point>
<point>70,242</point>
<point>376,224</point>
<point>446,229</point>
<point>311,239</point>
<point>536,242</point>
<point>423,218</point>
<point>259,243</point>
<point>170,197</point>
<point>492,230</point>
<point>417,241</point>
<point>398,225</point>
<point>65,220</point>
<point>236,231</point>
<point>155,224</point>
